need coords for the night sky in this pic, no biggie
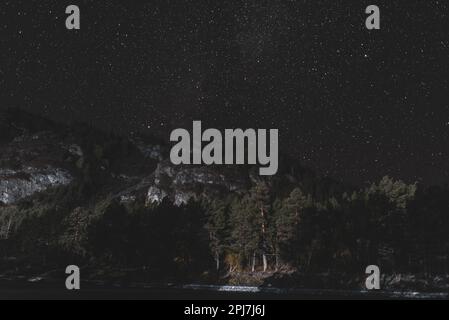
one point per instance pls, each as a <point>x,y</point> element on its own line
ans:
<point>350,103</point>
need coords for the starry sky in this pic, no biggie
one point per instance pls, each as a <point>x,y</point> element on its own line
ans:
<point>351,103</point>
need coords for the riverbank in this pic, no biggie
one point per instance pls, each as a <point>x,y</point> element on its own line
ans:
<point>45,289</point>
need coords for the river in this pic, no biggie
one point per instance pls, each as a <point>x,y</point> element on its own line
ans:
<point>49,290</point>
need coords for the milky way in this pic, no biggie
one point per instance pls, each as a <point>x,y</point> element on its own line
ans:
<point>350,103</point>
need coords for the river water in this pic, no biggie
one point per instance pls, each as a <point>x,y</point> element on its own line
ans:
<point>12,289</point>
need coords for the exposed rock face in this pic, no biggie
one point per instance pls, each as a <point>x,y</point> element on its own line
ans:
<point>32,159</point>
<point>18,184</point>
<point>38,155</point>
<point>182,183</point>
<point>155,195</point>
<point>30,164</point>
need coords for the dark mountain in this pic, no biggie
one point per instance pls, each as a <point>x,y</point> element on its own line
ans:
<point>33,146</point>
<point>117,207</point>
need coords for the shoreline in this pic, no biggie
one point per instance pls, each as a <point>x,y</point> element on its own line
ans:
<point>37,289</point>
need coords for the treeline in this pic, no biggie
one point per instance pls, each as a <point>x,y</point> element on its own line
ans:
<point>401,227</point>
<point>398,226</point>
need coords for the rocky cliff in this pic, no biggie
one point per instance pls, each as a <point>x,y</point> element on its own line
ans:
<point>36,154</point>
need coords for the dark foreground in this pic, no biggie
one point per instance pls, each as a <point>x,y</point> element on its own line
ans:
<point>10,290</point>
